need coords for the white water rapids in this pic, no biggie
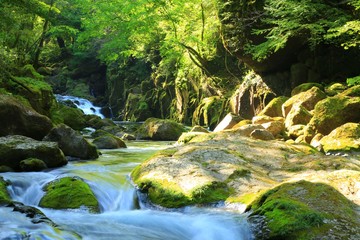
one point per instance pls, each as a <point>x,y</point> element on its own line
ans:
<point>85,105</point>
<point>121,217</point>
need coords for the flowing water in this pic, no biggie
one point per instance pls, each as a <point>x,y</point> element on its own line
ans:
<point>122,215</point>
<point>85,105</point>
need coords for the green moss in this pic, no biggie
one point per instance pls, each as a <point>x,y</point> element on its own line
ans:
<point>298,210</point>
<point>165,194</point>
<point>69,193</point>
<point>213,192</point>
<point>72,117</point>
<point>29,70</point>
<point>4,195</point>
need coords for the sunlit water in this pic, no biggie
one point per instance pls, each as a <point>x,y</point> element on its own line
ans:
<point>121,217</point>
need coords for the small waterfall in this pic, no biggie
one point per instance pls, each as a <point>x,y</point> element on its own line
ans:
<point>85,105</point>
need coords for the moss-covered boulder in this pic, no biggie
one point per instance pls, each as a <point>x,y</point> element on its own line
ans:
<point>14,149</point>
<point>72,143</point>
<point>274,107</point>
<point>331,113</point>
<point>305,210</point>
<point>4,194</point>
<point>343,138</point>
<point>160,129</point>
<point>109,141</point>
<point>297,115</point>
<point>73,117</point>
<point>17,118</point>
<point>35,90</point>
<point>305,87</point>
<point>307,99</point>
<point>69,193</point>
<point>32,165</point>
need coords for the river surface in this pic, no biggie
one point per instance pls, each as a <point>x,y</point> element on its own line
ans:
<point>122,215</point>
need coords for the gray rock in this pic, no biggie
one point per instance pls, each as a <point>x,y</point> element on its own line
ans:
<point>14,149</point>
<point>72,143</point>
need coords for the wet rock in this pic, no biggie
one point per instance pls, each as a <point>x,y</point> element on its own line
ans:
<point>14,149</point>
<point>69,193</point>
<point>160,129</point>
<point>342,139</point>
<point>19,119</point>
<point>32,165</point>
<point>262,134</point>
<point>109,141</point>
<point>36,215</point>
<point>72,143</point>
<point>228,122</point>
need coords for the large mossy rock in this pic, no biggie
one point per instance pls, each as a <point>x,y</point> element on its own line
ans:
<point>34,89</point>
<point>72,143</point>
<point>14,149</point>
<point>331,113</point>
<point>160,129</point>
<point>69,193</point>
<point>4,194</point>
<point>229,166</point>
<point>341,139</point>
<point>305,210</point>
<point>73,117</point>
<point>109,141</point>
<point>16,118</point>
<point>137,108</point>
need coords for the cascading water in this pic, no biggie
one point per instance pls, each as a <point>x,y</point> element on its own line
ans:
<point>85,105</point>
<point>121,217</point>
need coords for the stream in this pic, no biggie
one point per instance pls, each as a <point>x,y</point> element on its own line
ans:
<point>122,215</point>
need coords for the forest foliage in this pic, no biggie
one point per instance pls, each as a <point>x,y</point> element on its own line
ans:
<point>181,41</point>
